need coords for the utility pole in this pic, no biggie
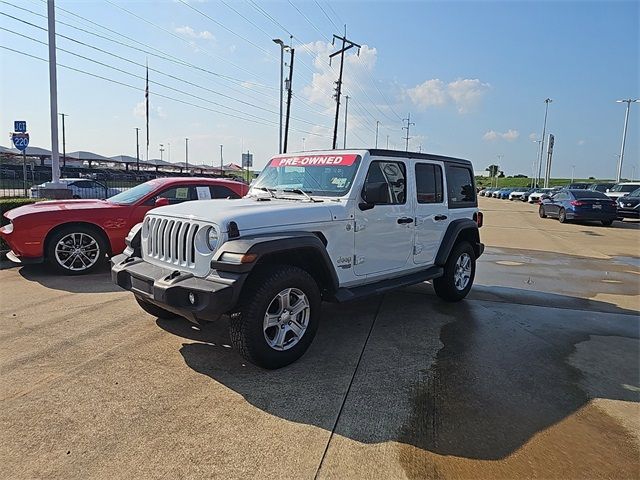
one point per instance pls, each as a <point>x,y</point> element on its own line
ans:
<point>547,101</point>
<point>346,45</point>
<point>137,149</point>
<point>161,150</point>
<point>409,124</point>
<point>377,127</point>
<point>221,164</point>
<point>346,110</point>
<point>53,91</point>
<point>282,48</point>
<point>186,153</point>
<point>288,83</point>
<point>628,101</point>
<point>64,141</point>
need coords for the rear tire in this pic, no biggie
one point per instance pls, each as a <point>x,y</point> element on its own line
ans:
<point>76,249</point>
<point>607,223</point>
<point>154,310</point>
<point>278,316</point>
<point>562,216</point>
<point>541,212</point>
<point>459,273</point>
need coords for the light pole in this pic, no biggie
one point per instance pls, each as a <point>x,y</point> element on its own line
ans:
<point>547,101</point>
<point>628,101</point>
<point>137,149</point>
<point>534,182</point>
<point>377,126</point>
<point>573,170</point>
<point>161,150</point>
<point>303,140</point>
<point>221,164</point>
<point>64,141</point>
<point>169,151</point>
<point>500,156</point>
<point>387,142</point>
<point>282,49</point>
<point>53,92</point>
<point>186,153</point>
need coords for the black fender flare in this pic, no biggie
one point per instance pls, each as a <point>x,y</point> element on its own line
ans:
<point>264,245</point>
<point>453,232</point>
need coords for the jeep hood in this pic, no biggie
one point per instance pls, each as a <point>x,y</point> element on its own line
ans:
<point>250,213</point>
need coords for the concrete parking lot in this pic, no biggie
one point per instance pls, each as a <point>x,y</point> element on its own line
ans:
<point>534,375</point>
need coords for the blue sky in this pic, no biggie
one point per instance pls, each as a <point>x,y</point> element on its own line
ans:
<point>473,75</point>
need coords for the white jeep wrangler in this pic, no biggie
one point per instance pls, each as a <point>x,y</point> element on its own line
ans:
<point>334,226</point>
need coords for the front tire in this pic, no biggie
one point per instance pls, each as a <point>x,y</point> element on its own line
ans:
<point>76,250</point>
<point>607,223</point>
<point>541,212</point>
<point>154,310</point>
<point>459,273</point>
<point>562,216</point>
<point>278,316</point>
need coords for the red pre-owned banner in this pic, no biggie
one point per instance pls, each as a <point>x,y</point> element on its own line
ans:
<point>315,161</point>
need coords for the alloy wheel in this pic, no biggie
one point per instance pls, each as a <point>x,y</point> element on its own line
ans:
<point>462,273</point>
<point>77,251</point>
<point>286,319</point>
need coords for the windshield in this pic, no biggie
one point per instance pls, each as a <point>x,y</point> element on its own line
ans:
<point>132,195</point>
<point>623,188</point>
<point>635,193</point>
<point>322,175</point>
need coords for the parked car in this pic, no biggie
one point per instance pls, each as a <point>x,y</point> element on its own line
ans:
<point>298,238</point>
<point>579,204</point>
<point>601,187</point>
<point>498,191</point>
<point>518,193</point>
<point>73,236</point>
<point>504,193</point>
<point>486,192</point>
<point>629,205</point>
<point>621,189</point>
<point>525,196</point>
<point>81,188</point>
<point>535,197</point>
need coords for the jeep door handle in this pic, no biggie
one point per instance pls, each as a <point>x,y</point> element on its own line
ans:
<point>402,220</point>
<point>440,217</point>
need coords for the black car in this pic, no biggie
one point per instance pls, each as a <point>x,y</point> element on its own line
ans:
<point>629,205</point>
<point>579,204</point>
<point>601,187</point>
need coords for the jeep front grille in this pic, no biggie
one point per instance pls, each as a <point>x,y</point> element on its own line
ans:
<point>172,241</point>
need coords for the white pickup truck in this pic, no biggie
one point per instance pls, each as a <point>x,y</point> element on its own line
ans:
<point>334,226</point>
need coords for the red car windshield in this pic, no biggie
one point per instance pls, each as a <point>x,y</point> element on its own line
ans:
<point>132,195</point>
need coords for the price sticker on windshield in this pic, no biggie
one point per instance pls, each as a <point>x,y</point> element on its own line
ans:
<point>315,161</point>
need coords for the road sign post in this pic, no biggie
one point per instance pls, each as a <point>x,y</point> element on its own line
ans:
<point>20,139</point>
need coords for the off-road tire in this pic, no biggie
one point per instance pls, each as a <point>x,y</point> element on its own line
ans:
<point>154,310</point>
<point>541,212</point>
<point>562,216</point>
<point>246,325</point>
<point>445,285</point>
<point>93,232</point>
<point>607,223</point>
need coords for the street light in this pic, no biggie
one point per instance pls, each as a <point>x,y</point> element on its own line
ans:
<point>547,101</point>
<point>533,173</point>
<point>282,49</point>
<point>628,101</point>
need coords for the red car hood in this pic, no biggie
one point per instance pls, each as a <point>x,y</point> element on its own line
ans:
<point>58,206</point>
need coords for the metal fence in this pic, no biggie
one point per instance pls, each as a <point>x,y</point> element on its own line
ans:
<point>14,182</point>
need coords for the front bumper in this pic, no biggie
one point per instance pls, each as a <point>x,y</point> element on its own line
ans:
<point>171,289</point>
<point>628,212</point>
<point>15,258</point>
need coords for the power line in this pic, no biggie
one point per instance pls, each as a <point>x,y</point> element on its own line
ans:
<point>326,15</point>
<point>258,120</point>
<point>309,21</point>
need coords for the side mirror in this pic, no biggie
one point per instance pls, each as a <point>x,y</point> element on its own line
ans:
<point>161,202</point>
<point>374,193</point>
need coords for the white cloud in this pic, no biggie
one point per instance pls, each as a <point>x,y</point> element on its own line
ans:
<point>533,136</point>
<point>581,142</point>
<point>464,93</point>
<point>510,135</point>
<point>187,31</point>
<point>154,111</point>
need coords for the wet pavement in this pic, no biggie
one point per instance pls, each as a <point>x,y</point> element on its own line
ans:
<point>535,375</point>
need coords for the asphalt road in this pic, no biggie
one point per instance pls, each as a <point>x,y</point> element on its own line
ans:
<point>534,375</point>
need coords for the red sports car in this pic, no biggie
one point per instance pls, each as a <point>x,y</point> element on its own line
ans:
<point>73,236</point>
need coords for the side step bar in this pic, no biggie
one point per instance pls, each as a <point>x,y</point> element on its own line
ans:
<point>347,294</point>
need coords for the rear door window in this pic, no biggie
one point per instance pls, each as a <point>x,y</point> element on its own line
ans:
<point>429,183</point>
<point>460,188</point>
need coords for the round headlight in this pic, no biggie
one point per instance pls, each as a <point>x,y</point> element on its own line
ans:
<point>212,239</point>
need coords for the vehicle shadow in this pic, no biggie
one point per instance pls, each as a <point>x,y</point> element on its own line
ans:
<point>99,281</point>
<point>475,379</point>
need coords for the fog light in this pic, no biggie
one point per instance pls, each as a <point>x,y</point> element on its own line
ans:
<point>192,298</point>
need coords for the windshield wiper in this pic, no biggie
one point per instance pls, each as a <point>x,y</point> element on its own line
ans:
<point>301,192</point>
<point>265,189</point>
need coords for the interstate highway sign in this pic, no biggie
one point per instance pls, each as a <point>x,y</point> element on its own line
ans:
<point>20,140</point>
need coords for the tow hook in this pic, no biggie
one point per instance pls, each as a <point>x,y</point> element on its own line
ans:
<point>172,275</point>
